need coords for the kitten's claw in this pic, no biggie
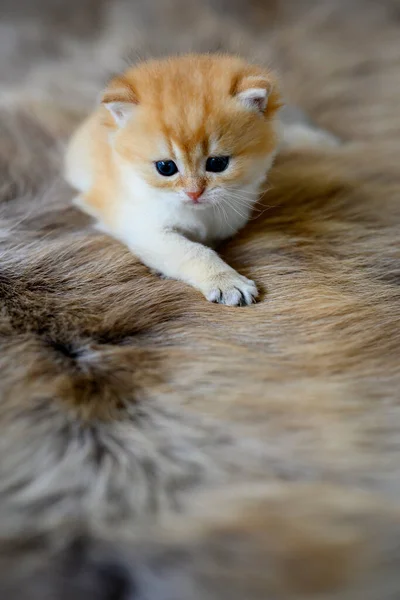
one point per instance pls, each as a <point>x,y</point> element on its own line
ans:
<point>232,289</point>
<point>215,296</point>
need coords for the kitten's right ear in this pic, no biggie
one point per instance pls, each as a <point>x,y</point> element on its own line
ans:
<point>259,93</point>
<point>120,100</point>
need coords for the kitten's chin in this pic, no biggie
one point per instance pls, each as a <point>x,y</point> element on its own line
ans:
<point>199,204</point>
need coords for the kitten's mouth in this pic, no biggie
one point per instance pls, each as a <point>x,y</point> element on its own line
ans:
<point>200,203</point>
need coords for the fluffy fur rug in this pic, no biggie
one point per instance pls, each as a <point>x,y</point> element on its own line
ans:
<point>154,446</point>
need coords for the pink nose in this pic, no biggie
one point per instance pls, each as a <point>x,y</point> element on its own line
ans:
<point>195,195</point>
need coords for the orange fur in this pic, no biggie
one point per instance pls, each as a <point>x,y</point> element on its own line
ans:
<point>184,102</point>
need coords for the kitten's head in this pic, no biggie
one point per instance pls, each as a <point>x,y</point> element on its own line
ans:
<point>195,129</point>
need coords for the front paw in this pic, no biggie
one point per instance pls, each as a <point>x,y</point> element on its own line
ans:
<point>231,289</point>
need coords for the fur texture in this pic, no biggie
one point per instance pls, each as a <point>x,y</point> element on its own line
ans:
<point>126,399</point>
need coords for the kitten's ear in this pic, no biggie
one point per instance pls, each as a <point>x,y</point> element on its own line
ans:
<point>120,99</point>
<point>258,93</point>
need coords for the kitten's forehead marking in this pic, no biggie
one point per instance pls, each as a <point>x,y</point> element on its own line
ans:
<point>163,149</point>
<point>179,157</point>
<point>213,146</point>
<point>189,160</point>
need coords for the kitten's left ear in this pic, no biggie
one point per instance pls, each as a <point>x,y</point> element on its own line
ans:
<point>258,93</point>
<point>120,100</point>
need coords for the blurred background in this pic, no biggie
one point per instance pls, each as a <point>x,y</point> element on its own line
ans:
<point>338,58</point>
<point>317,390</point>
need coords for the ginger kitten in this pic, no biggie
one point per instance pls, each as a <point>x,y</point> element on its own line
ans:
<point>172,162</point>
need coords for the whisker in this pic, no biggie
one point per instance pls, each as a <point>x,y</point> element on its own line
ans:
<point>243,193</point>
<point>244,203</point>
<point>254,205</point>
<point>256,212</point>
<point>236,210</point>
<point>225,216</point>
<point>246,200</point>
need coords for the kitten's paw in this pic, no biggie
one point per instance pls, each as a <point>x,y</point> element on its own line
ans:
<point>158,274</point>
<point>231,289</point>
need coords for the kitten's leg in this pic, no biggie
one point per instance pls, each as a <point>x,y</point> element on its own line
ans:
<point>175,256</point>
<point>298,131</point>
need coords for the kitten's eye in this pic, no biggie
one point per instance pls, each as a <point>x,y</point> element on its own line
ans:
<point>217,164</point>
<point>166,167</point>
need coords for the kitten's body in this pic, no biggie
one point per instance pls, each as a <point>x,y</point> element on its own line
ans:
<point>185,109</point>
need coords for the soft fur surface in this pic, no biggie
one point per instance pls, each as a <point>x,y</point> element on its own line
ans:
<point>126,399</point>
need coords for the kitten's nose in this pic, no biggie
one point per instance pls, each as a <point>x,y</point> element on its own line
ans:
<point>195,195</point>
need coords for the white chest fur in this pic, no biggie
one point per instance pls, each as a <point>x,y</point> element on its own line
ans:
<point>143,211</point>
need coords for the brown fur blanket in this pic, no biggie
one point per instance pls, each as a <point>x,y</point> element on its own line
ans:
<point>154,446</point>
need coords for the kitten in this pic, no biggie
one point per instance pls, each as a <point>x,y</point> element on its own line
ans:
<point>173,160</point>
